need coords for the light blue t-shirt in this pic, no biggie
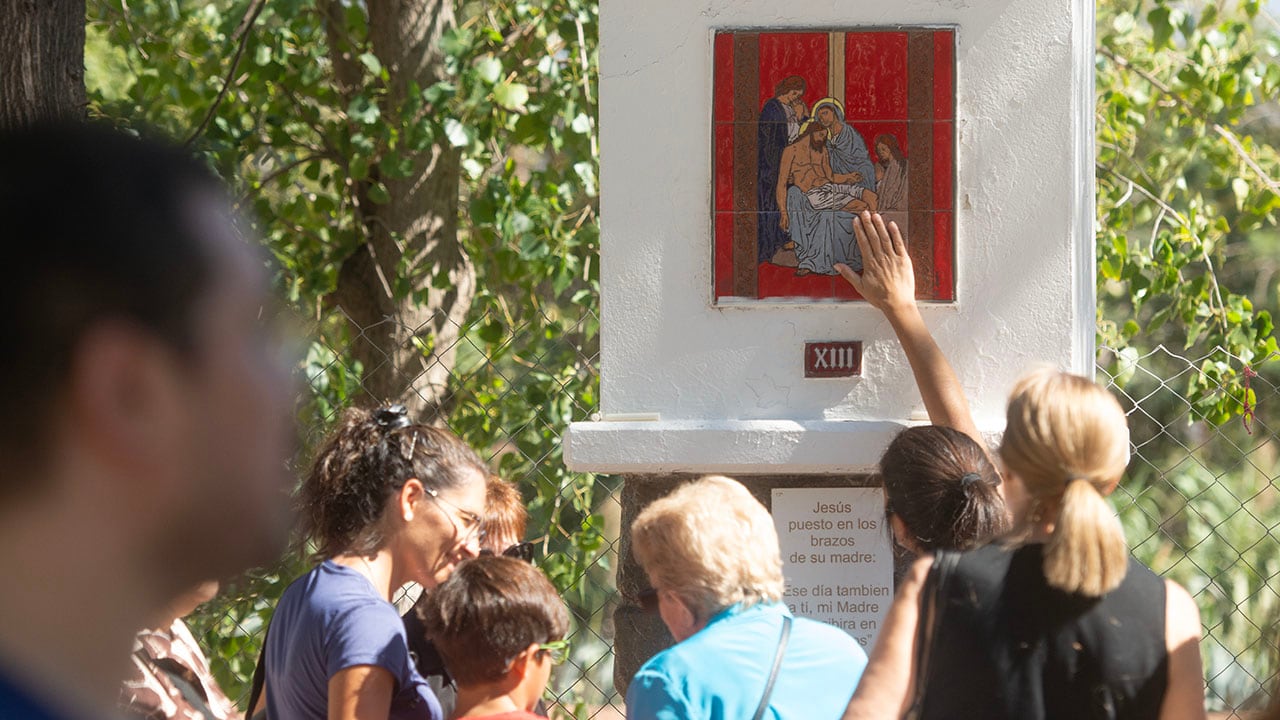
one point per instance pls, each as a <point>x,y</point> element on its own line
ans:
<point>328,620</point>
<point>720,672</point>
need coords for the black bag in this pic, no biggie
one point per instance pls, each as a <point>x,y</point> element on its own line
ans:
<point>259,682</point>
<point>931,597</point>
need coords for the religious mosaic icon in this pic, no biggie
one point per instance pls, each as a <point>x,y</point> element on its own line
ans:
<point>812,127</point>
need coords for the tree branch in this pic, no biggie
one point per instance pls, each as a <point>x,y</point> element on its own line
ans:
<point>1182,221</point>
<point>281,171</point>
<point>242,32</point>
<point>1222,131</point>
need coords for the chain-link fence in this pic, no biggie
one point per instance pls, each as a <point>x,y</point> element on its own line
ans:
<point>1199,503</point>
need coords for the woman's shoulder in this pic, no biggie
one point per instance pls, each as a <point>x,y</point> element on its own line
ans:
<point>1144,585</point>
<point>333,594</point>
<point>830,637</point>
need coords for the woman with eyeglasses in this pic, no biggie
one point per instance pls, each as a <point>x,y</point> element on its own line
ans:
<point>387,502</point>
<point>502,527</point>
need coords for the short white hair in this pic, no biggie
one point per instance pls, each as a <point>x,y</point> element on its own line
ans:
<point>711,543</point>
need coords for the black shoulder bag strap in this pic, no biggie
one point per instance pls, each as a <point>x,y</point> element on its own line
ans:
<point>932,596</point>
<point>777,665</point>
<point>259,682</point>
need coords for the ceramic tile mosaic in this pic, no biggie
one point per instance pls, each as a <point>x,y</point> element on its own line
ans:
<point>813,126</point>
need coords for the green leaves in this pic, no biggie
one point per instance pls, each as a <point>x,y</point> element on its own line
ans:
<point>364,110</point>
<point>1161,19</point>
<point>511,96</point>
<point>316,151</point>
<point>457,133</point>
<point>488,69</point>
<point>1187,252</point>
<point>371,63</point>
<point>1180,181</point>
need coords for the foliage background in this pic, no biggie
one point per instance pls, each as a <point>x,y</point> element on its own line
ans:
<point>1187,127</point>
<point>516,99</point>
<point>1187,259</point>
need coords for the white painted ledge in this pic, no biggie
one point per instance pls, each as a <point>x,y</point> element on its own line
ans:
<point>728,446</point>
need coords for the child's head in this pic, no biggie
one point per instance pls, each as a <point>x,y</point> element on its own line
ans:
<point>489,621</point>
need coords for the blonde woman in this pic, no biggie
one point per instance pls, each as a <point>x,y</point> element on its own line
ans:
<point>711,553</point>
<point>1058,622</point>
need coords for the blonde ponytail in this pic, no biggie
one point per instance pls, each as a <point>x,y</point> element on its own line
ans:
<point>1087,554</point>
<point>1066,441</point>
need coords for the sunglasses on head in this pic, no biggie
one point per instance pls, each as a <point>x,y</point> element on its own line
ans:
<point>520,551</point>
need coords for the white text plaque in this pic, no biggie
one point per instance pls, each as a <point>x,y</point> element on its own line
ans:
<point>836,556</point>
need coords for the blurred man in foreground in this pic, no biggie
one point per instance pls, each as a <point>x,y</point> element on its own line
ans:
<point>145,416</point>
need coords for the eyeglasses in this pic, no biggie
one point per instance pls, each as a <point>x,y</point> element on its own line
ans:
<point>558,650</point>
<point>470,521</point>
<point>519,551</point>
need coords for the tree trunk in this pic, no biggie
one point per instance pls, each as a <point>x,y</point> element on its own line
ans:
<point>41,60</point>
<point>405,324</point>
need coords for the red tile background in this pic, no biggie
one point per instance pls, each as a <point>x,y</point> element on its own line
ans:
<point>723,100</point>
<point>944,50</point>
<point>880,94</point>
<point>724,167</point>
<point>786,54</point>
<point>845,291</point>
<point>781,282</point>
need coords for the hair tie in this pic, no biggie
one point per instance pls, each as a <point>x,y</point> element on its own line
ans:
<point>392,417</point>
<point>1073,478</point>
<point>970,478</point>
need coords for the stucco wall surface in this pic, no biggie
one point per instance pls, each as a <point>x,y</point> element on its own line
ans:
<point>699,382</point>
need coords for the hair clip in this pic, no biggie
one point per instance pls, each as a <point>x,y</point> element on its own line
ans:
<point>392,417</point>
<point>970,478</point>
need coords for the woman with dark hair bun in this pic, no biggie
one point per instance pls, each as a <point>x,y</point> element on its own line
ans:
<point>942,489</point>
<point>387,502</point>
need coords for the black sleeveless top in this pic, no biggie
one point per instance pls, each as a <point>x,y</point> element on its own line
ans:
<point>1009,646</point>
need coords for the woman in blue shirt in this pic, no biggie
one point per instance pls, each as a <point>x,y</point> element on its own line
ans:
<point>711,553</point>
<point>387,502</point>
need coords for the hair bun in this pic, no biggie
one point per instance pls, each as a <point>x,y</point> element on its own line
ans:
<point>392,417</point>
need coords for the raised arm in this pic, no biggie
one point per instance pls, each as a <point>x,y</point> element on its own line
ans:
<point>887,682</point>
<point>888,282</point>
